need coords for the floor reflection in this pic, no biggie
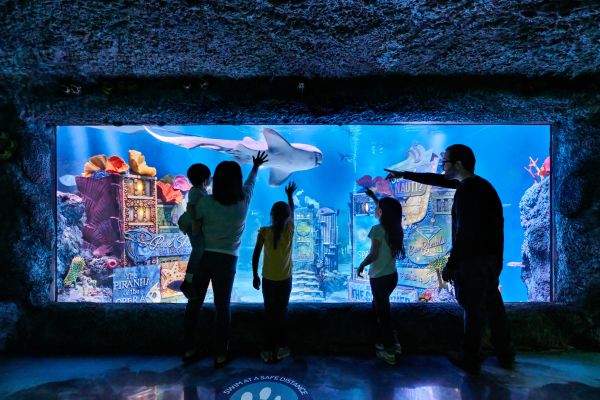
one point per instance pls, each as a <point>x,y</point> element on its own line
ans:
<point>564,376</point>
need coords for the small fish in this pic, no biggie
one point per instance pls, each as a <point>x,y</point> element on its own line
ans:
<point>67,180</point>
<point>504,205</point>
<point>102,250</point>
<point>515,264</point>
<point>346,157</point>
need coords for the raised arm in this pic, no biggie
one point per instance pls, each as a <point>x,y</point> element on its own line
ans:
<point>289,190</point>
<point>370,193</point>
<point>257,161</point>
<point>426,178</point>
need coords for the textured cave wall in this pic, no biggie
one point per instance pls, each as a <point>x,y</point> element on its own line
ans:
<point>329,39</point>
<point>234,62</point>
<point>571,107</point>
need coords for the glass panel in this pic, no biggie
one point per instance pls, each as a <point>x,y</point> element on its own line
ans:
<point>121,191</point>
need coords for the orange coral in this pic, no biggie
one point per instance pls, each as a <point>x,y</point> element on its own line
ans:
<point>167,194</point>
<point>95,163</point>
<point>138,164</point>
<point>116,165</point>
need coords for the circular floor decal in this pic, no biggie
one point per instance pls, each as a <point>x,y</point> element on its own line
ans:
<point>264,387</point>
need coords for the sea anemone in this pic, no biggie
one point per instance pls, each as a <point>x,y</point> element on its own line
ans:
<point>112,263</point>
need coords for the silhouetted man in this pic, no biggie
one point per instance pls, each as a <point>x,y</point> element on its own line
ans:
<point>475,260</point>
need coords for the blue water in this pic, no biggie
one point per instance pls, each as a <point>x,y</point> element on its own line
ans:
<point>349,152</point>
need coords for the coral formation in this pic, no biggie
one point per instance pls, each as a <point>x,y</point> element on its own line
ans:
<point>95,163</point>
<point>75,271</point>
<point>180,182</point>
<point>70,220</point>
<point>116,165</point>
<point>167,194</point>
<point>138,164</point>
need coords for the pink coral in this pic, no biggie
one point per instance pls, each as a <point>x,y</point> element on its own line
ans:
<point>366,181</point>
<point>545,169</point>
<point>383,186</point>
<point>180,182</point>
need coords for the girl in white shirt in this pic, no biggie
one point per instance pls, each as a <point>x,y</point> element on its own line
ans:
<point>386,247</point>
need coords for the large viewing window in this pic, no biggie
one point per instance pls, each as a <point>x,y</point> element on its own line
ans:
<point>121,190</point>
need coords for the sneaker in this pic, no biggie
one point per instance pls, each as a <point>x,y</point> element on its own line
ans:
<point>506,361</point>
<point>283,352</point>
<point>267,356</point>
<point>389,356</point>
<point>191,357</point>
<point>466,363</point>
<point>397,348</point>
<point>221,360</point>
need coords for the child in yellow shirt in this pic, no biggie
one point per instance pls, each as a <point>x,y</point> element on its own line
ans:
<point>276,274</point>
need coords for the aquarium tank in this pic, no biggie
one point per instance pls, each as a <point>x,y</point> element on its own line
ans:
<point>121,190</point>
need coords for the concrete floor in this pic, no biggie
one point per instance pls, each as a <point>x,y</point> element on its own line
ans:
<point>572,375</point>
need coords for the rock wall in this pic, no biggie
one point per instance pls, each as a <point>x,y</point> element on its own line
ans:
<point>235,62</point>
<point>85,39</point>
<point>536,223</point>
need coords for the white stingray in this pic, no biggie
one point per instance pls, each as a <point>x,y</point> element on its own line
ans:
<point>284,158</point>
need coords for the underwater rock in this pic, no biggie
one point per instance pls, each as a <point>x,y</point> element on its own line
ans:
<point>535,220</point>
<point>101,269</point>
<point>70,218</point>
<point>333,281</point>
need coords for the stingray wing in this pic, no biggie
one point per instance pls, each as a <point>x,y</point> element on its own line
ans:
<point>276,143</point>
<point>278,176</point>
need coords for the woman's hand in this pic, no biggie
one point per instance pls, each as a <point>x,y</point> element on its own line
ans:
<point>360,270</point>
<point>259,159</point>
<point>256,282</point>
<point>290,188</point>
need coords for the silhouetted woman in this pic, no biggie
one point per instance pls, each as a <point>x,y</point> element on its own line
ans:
<point>223,218</point>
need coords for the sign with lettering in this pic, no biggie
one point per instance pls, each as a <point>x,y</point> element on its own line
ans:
<point>429,242</point>
<point>136,284</point>
<point>360,291</point>
<point>140,245</point>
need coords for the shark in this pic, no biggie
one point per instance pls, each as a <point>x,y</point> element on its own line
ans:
<point>285,158</point>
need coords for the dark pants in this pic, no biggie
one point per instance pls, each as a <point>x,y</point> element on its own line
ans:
<point>218,268</point>
<point>276,295</point>
<point>476,284</point>
<point>382,288</point>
